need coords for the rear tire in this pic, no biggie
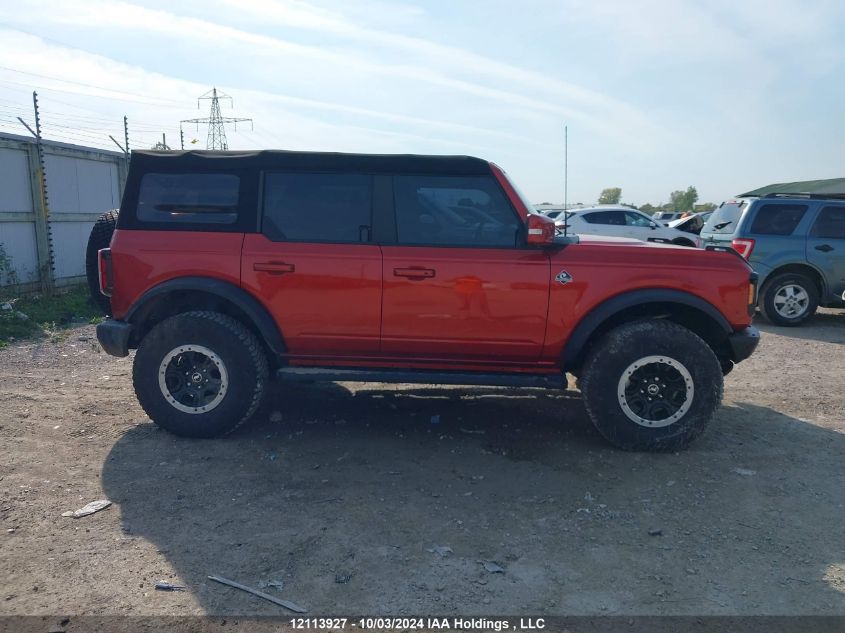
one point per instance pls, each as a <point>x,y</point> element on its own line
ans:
<point>200,374</point>
<point>651,386</point>
<point>789,299</point>
<point>100,237</point>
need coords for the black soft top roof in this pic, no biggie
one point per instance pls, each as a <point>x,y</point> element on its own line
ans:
<point>330,161</point>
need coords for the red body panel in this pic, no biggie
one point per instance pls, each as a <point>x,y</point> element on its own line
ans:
<point>328,304</point>
<point>476,305</point>
<point>143,259</point>
<point>603,270</point>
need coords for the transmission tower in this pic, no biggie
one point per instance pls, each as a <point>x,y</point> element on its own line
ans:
<point>216,121</point>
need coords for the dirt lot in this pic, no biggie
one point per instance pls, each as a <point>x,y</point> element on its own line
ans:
<point>350,493</point>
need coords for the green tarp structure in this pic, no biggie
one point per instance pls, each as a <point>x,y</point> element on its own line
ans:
<point>829,186</point>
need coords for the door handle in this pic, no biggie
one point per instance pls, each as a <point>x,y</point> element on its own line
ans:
<point>824,248</point>
<point>414,273</point>
<point>274,268</point>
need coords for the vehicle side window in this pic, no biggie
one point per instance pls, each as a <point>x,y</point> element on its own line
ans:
<point>830,224</point>
<point>635,219</point>
<point>189,198</point>
<point>454,211</point>
<point>615,218</point>
<point>312,207</point>
<point>777,219</point>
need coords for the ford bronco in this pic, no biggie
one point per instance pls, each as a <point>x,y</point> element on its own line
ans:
<point>228,268</point>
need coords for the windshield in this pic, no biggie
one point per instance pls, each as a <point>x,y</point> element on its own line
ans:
<point>725,218</point>
<point>522,197</point>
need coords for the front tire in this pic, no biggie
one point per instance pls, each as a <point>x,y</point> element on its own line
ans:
<point>789,299</point>
<point>651,386</point>
<point>199,374</point>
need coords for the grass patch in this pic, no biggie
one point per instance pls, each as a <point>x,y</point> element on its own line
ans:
<point>46,316</point>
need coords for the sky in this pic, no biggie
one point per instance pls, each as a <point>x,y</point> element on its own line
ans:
<point>724,95</point>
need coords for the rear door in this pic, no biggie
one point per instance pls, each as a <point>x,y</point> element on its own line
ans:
<point>826,249</point>
<point>314,263</point>
<point>606,223</point>
<point>721,226</point>
<point>459,282</point>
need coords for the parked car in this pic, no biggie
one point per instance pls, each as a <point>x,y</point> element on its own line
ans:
<point>690,224</point>
<point>554,212</point>
<point>666,216</point>
<point>796,244</point>
<point>227,268</point>
<point>623,222</point>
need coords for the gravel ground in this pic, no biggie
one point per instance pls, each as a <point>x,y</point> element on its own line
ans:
<point>358,502</point>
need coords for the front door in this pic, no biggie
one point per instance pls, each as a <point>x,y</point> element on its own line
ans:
<point>314,264</point>
<point>459,283</point>
<point>826,249</point>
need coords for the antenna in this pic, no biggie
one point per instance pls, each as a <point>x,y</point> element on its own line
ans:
<point>565,176</point>
<point>216,121</point>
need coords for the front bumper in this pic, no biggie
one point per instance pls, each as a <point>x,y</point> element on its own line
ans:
<point>743,343</point>
<point>114,337</point>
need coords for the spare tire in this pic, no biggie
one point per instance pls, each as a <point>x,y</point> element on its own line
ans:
<point>100,237</point>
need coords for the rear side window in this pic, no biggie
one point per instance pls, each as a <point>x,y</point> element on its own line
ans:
<point>613,218</point>
<point>725,218</point>
<point>311,207</point>
<point>830,224</point>
<point>189,198</point>
<point>777,219</point>
<point>454,211</point>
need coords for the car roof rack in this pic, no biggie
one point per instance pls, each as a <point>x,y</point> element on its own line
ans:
<point>802,194</point>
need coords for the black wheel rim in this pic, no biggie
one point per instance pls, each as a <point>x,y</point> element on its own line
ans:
<point>193,379</point>
<point>655,391</point>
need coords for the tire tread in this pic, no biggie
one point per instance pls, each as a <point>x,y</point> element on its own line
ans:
<point>250,344</point>
<point>597,360</point>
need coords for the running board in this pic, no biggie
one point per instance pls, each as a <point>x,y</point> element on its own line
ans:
<point>320,374</point>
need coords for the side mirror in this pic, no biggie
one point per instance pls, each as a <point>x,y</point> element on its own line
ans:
<point>541,230</point>
<point>653,225</point>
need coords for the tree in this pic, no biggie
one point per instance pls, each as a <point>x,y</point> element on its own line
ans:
<point>705,207</point>
<point>683,200</point>
<point>611,195</point>
<point>648,208</point>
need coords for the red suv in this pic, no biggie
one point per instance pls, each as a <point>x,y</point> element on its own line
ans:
<point>227,268</point>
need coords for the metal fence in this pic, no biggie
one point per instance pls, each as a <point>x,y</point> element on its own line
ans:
<point>43,242</point>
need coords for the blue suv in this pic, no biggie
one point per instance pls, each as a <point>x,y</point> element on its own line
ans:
<point>796,244</point>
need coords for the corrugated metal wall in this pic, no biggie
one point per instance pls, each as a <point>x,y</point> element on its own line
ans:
<point>82,183</point>
<point>17,237</point>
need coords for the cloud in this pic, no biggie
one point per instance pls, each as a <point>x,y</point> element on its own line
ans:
<point>449,69</point>
<point>119,87</point>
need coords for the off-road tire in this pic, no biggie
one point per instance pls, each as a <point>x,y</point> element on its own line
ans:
<point>100,237</point>
<point>620,349</point>
<point>232,343</point>
<point>774,285</point>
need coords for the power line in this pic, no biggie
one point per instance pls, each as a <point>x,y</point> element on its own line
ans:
<point>85,94</point>
<point>80,83</point>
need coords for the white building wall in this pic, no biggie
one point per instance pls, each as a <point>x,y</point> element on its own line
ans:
<point>82,183</point>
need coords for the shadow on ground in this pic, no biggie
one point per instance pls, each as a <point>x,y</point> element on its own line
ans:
<point>348,497</point>
<point>827,326</point>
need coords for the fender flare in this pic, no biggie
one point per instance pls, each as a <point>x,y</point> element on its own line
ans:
<point>245,302</point>
<point>588,324</point>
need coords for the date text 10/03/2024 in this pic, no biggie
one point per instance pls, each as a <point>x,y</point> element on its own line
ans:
<point>412,623</point>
